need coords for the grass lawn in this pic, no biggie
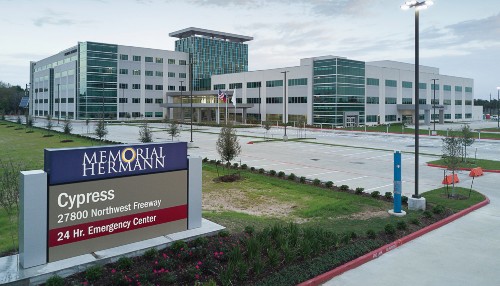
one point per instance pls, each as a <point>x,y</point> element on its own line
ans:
<point>424,130</point>
<point>473,163</point>
<point>495,129</point>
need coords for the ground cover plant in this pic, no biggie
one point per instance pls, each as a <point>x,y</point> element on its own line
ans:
<point>472,163</point>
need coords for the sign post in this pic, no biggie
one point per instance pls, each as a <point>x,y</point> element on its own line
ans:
<point>398,189</point>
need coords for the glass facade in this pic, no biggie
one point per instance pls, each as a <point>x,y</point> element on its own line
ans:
<point>211,56</point>
<point>338,91</point>
<point>97,80</point>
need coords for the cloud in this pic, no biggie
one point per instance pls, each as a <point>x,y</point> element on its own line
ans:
<point>53,18</point>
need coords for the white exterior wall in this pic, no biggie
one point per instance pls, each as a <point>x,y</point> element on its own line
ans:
<point>154,80</point>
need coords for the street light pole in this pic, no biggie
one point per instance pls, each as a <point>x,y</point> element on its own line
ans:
<point>284,103</point>
<point>434,103</point>
<point>58,105</point>
<point>418,6</point>
<point>260,102</point>
<point>498,110</point>
<point>191,96</point>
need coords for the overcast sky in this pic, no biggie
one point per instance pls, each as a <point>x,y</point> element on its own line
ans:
<point>460,37</point>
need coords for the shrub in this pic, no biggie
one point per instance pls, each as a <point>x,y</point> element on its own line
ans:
<point>261,171</point>
<point>427,214</point>
<point>359,191</point>
<point>353,235</point>
<point>200,241</point>
<point>401,225</point>
<point>94,273</point>
<point>272,172</point>
<point>205,160</point>
<point>223,233</point>
<point>292,177</point>
<point>124,263</point>
<point>151,253</point>
<point>344,187</point>
<point>235,165</point>
<point>329,184</point>
<point>375,194</point>
<point>389,229</point>
<point>371,234</point>
<point>228,164</point>
<point>281,174</point>
<point>388,195</point>
<point>244,166</point>
<point>178,245</point>
<point>249,229</point>
<point>55,281</point>
<point>439,209</point>
<point>302,179</point>
<point>404,199</point>
<point>316,182</point>
<point>415,221</point>
<point>19,121</point>
<point>213,161</point>
<point>252,169</point>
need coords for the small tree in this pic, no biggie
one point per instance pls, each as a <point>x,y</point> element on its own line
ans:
<point>452,153</point>
<point>19,120</point>
<point>228,146</point>
<point>29,122</point>
<point>173,129</point>
<point>100,129</point>
<point>87,121</point>
<point>467,139</point>
<point>267,126</point>
<point>9,193</point>
<point>67,128</point>
<point>145,134</point>
<point>49,125</point>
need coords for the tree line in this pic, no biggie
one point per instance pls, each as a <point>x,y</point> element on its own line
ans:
<point>10,97</point>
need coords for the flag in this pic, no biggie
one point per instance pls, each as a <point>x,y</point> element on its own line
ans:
<point>222,95</point>
<point>233,99</point>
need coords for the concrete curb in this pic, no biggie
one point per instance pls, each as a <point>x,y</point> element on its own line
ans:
<point>461,169</point>
<point>388,247</point>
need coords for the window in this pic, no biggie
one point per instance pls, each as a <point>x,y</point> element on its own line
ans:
<point>372,81</point>
<point>422,85</point>
<point>407,100</point>
<point>422,101</point>
<point>148,59</point>
<point>136,72</point>
<point>171,87</point>
<point>123,71</point>
<point>136,100</point>
<point>136,114</point>
<point>182,88</point>
<point>159,73</point>
<point>299,99</point>
<point>434,101</point>
<point>372,100</point>
<point>468,115</point>
<point>136,86</point>
<point>297,81</point>
<point>274,83</point>
<point>149,73</point>
<point>123,85</point>
<point>123,57</point>
<point>447,87</point>
<point>467,89</point>
<point>274,100</point>
<point>171,74</point>
<point>149,100</point>
<point>458,88</point>
<point>219,86</point>
<point>182,62</point>
<point>158,100</point>
<point>458,102</point>
<point>254,84</point>
<point>390,100</point>
<point>63,100</point>
<point>71,100</point>
<point>159,60</point>
<point>447,116</point>
<point>253,100</point>
<point>148,86</point>
<point>235,85</point>
<point>159,87</point>
<point>407,84</point>
<point>390,118</point>
<point>136,58</point>
<point>171,61</point>
<point>447,102</point>
<point>435,86</point>
<point>182,75</point>
<point>458,116</point>
<point>123,100</point>
<point>391,83</point>
<point>468,102</point>
<point>158,114</point>
<point>371,118</point>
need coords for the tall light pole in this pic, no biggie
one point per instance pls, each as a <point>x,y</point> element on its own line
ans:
<point>260,102</point>
<point>182,110</point>
<point>434,104</point>
<point>418,6</point>
<point>284,103</point>
<point>498,110</point>
<point>58,105</point>
<point>191,93</point>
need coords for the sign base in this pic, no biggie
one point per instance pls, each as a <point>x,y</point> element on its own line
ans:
<point>402,213</point>
<point>415,204</point>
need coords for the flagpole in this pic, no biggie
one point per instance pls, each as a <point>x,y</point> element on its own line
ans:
<point>234,102</point>
<point>218,111</point>
<point>225,96</point>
